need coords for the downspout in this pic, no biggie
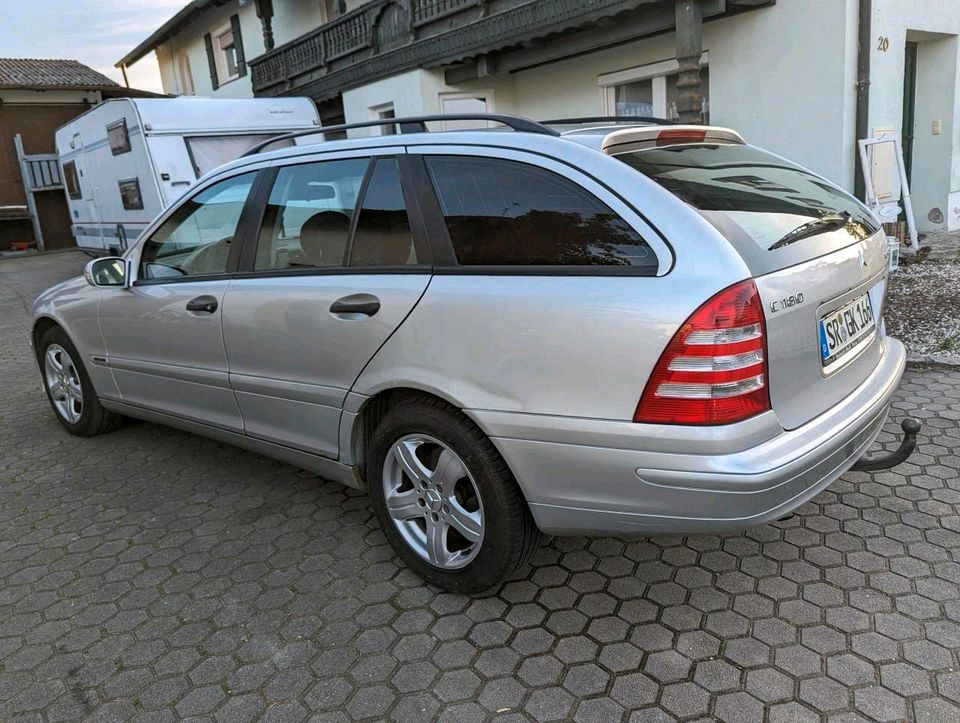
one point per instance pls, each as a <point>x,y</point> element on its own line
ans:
<point>864,34</point>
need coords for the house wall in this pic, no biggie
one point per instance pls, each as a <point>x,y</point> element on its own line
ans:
<point>759,84</point>
<point>35,115</point>
<point>191,43</point>
<point>934,25</point>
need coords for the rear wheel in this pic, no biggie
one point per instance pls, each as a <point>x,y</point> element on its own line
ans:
<point>445,498</point>
<point>69,389</point>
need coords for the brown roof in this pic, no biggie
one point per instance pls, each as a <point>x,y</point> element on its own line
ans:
<point>39,73</point>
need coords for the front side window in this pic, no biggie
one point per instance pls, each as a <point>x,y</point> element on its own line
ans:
<point>195,239</point>
<point>506,213</point>
<point>309,214</point>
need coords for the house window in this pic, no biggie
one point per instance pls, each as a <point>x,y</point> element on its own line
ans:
<point>71,180</point>
<point>225,47</point>
<point>130,194</point>
<point>650,90</point>
<point>119,137</point>
<point>384,112</point>
<point>466,103</point>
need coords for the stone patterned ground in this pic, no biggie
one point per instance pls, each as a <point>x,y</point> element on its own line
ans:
<point>154,575</point>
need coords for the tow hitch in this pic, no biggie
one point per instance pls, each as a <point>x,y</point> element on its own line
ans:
<point>910,427</point>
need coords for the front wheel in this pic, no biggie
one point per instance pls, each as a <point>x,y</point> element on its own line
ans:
<point>69,389</point>
<point>445,498</point>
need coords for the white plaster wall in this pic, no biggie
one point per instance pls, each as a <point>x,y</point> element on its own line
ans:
<point>788,91</point>
<point>192,42</point>
<point>935,24</point>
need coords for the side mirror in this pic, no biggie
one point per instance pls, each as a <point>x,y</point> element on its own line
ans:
<point>108,271</point>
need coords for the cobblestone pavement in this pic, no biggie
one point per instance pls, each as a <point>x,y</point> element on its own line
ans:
<point>155,575</point>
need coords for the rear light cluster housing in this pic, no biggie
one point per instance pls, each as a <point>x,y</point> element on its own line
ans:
<point>714,370</point>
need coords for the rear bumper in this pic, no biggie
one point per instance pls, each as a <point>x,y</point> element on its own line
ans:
<point>622,481</point>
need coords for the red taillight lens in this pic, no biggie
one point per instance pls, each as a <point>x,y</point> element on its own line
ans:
<point>714,371</point>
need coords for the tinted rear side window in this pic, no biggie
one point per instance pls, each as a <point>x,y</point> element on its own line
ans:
<point>507,213</point>
<point>765,195</point>
<point>383,235</point>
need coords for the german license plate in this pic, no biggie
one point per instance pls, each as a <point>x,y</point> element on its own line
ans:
<point>843,329</point>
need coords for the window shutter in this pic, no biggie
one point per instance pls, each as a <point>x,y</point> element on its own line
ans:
<point>211,61</point>
<point>238,45</point>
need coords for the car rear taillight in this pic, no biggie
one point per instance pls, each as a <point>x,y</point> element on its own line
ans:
<point>714,371</point>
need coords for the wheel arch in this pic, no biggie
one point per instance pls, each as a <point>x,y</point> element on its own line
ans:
<point>372,410</point>
<point>41,325</point>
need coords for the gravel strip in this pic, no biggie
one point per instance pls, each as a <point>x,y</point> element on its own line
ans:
<point>923,308</point>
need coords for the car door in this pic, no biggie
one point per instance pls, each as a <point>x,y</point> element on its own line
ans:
<point>334,270</point>
<point>163,336</point>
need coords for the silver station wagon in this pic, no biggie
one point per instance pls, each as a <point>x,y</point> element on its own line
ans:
<point>575,327</point>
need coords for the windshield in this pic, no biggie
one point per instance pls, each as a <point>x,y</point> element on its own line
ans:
<point>766,196</point>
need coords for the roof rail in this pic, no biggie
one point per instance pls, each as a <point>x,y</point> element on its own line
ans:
<point>610,119</point>
<point>415,124</point>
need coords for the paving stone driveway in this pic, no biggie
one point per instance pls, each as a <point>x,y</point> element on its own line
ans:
<point>155,575</point>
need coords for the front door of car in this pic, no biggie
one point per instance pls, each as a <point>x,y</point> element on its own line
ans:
<point>163,336</point>
<point>334,271</point>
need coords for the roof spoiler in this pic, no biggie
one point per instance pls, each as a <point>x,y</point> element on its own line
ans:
<point>635,139</point>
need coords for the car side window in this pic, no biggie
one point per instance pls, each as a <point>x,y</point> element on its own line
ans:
<point>195,239</point>
<point>509,213</point>
<point>383,236</point>
<point>308,216</point>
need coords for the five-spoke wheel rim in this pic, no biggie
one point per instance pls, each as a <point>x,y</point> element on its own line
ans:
<point>63,383</point>
<point>433,501</point>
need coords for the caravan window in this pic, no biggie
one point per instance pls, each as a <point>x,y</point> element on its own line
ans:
<point>195,240</point>
<point>119,137</point>
<point>130,195</point>
<point>71,180</point>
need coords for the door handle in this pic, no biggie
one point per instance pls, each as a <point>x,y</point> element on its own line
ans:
<point>206,304</point>
<point>355,304</point>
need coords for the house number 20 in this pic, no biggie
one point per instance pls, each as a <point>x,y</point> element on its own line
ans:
<point>883,44</point>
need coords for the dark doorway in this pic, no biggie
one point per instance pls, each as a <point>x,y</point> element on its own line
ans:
<point>909,106</point>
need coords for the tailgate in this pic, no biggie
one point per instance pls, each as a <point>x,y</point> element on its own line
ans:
<point>817,255</point>
<point>823,328</point>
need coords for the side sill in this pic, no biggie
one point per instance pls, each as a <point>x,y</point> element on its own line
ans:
<point>322,466</point>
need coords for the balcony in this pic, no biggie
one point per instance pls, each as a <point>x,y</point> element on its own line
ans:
<point>384,37</point>
<point>472,37</point>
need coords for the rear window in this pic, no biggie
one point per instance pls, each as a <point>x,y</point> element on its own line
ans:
<point>766,196</point>
<point>508,213</point>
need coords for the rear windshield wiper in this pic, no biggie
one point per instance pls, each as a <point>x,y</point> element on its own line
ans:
<point>813,228</point>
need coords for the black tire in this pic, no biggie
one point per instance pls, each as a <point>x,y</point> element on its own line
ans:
<point>94,419</point>
<point>510,535</point>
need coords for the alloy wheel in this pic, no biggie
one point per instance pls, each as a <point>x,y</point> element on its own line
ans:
<point>433,501</point>
<point>63,383</point>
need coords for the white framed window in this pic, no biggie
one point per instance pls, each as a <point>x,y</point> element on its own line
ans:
<point>186,76</point>
<point>225,53</point>
<point>650,90</point>
<point>476,102</point>
<point>383,112</point>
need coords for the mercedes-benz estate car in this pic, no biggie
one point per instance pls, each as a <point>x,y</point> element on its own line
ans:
<point>582,328</point>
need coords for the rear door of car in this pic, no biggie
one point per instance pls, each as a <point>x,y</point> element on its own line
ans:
<point>338,264</point>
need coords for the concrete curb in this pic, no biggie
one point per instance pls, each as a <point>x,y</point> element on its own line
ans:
<point>933,361</point>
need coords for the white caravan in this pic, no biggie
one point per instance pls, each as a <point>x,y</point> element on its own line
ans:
<point>127,159</point>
